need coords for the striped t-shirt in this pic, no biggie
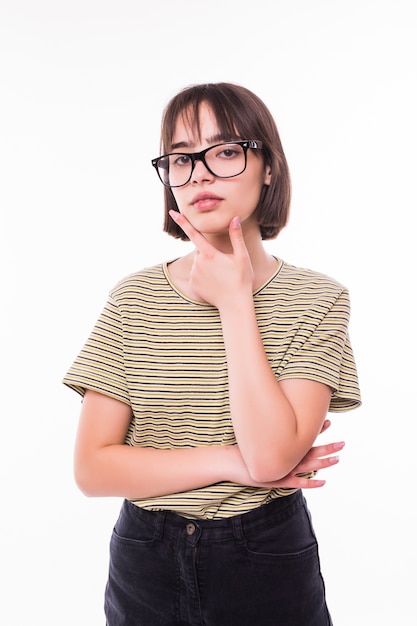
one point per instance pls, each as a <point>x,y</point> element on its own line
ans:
<point>163,354</point>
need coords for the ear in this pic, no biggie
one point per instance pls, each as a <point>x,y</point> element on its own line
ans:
<point>267,178</point>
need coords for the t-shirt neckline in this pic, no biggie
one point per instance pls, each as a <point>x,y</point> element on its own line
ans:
<point>199,302</point>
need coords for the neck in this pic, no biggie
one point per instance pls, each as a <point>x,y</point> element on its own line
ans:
<point>263,264</point>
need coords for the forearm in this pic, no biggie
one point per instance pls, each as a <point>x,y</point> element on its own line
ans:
<point>105,466</point>
<point>275,422</point>
<point>270,438</point>
<point>134,472</point>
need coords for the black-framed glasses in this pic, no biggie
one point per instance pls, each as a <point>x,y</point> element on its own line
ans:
<point>224,160</point>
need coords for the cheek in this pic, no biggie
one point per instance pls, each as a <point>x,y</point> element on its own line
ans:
<point>251,193</point>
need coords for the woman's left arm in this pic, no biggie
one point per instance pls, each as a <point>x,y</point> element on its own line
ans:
<point>276,423</point>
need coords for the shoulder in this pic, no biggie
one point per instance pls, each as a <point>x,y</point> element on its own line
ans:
<point>304,281</point>
<point>305,277</point>
<point>138,282</point>
<point>302,289</point>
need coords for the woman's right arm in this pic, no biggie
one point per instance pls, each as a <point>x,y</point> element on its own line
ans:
<point>105,466</point>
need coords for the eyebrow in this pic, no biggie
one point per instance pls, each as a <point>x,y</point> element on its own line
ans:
<point>187,144</point>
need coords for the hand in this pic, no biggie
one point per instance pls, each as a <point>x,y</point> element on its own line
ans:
<point>312,462</point>
<point>217,277</point>
<point>318,457</point>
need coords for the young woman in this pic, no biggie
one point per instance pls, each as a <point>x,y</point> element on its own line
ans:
<point>206,382</point>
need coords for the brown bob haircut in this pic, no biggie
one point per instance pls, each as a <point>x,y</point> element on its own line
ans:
<point>240,114</point>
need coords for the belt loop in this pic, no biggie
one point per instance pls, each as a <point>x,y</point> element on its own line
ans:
<point>237,527</point>
<point>159,524</point>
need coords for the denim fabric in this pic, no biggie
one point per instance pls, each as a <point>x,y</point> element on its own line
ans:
<point>257,569</point>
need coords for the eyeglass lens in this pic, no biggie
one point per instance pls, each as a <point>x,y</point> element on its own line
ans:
<point>224,161</point>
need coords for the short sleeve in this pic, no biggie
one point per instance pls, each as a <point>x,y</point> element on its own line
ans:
<point>321,351</point>
<point>100,364</point>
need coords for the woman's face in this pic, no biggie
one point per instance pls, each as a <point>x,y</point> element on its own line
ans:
<point>208,202</point>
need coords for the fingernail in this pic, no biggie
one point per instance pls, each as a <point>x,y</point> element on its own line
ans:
<point>333,460</point>
<point>339,445</point>
<point>173,214</point>
<point>236,222</point>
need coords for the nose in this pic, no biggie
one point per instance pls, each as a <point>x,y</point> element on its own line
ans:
<point>200,172</point>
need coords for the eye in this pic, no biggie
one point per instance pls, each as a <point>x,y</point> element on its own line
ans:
<point>229,152</point>
<point>179,160</point>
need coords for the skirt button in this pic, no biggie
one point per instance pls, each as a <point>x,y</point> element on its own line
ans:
<point>190,529</point>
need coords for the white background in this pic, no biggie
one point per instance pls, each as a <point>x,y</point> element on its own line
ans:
<point>83,85</point>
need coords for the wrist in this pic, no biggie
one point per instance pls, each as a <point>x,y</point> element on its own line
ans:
<point>233,465</point>
<point>237,306</point>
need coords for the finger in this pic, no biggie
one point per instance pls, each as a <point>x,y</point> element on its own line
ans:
<point>311,483</point>
<point>236,237</point>
<point>192,233</point>
<point>315,465</point>
<point>324,450</point>
<point>298,482</point>
<point>326,425</point>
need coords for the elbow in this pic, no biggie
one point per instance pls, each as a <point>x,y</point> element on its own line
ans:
<point>83,485</point>
<point>85,480</point>
<point>263,471</point>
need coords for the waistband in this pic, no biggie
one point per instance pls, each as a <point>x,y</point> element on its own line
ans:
<point>266,516</point>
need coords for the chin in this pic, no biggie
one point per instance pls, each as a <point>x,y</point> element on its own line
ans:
<point>209,222</point>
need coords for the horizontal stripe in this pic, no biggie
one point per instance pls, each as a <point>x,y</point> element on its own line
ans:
<point>164,355</point>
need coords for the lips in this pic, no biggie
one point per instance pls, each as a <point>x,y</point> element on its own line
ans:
<point>204,196</point>
<point>205,201</point>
